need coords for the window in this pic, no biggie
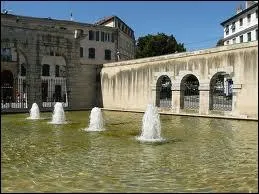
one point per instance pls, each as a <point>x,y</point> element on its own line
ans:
<point>51,53</point>
<point>23,70</point>
<point>102,36</point>
<point>57,71</point>
<point>228,42</point>
<point>112,37</point>
<point>233,27</point>
<point>107,37</point>
<point>107,54</point>
<point>234,40</point>
<point>241,38</point>
<point>227,29</point>
<point>6,54</point>
<point>248,36</point>
<point>248,18</point>
<point>45,70</point>
<point>91,35</point>
<point>256,34</point>
<point>81,52</point>
<point>241,22</point>
<point>91,53</point>
<point>97,35</point>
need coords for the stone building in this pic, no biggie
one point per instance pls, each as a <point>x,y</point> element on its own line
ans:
<point>45,60</point>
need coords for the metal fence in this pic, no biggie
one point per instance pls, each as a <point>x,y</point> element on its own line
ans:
<point>221,95</point>
<point>190,97</point>
<point>54,90</point>
<point>14,95</point>
<point>164,93</point>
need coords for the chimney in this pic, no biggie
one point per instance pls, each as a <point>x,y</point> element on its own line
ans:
<point>239,9</point>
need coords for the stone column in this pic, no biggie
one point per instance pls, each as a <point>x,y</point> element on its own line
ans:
<point>204,105</point>
<point>176,97</point>
<point>34,74</point>
<point>153,94</point>
<point>236,88</point>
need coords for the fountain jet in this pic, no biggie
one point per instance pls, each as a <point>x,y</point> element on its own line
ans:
<point>58,116</point>
<point>151,128</point>
<point>34,112</point>
<point>96,120</point>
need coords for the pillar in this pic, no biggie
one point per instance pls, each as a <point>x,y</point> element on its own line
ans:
<point>204,103</point>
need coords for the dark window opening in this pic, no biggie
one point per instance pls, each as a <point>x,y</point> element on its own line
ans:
<point>107,54</point>
<point>57,71</point>
<point>91,35</point>
<point>23,70</point>
<point>112,37</point>
<point>6,54</point>
<point>97,35</point>
<point>249,36</point>
<point>102,36</point>
<point>45,70</point>
<point>91,53</point>
<point>81,52</point>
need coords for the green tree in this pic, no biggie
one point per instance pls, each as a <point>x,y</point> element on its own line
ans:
<point>156,45</point>
<point>220,42</point>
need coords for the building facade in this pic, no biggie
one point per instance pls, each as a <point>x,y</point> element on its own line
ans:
<point>45,60</point>
<point>242,27</point>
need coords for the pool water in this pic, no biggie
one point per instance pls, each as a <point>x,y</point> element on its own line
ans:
<point>199,155</point>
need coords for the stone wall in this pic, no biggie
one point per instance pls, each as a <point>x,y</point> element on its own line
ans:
<point>34,43</point>
<point>130,85</point>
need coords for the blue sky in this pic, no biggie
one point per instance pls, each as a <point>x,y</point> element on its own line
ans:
<point>194,23</point>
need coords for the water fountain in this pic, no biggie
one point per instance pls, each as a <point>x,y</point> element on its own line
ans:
<point>58,116</point>
<point>96,120</point>
<point>34,112</point>
<point>151,128</point>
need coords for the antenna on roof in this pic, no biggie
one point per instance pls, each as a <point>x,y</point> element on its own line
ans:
<point>5,10</point>
<point>71,16</point>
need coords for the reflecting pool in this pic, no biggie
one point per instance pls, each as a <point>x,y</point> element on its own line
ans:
<point>199,155</point>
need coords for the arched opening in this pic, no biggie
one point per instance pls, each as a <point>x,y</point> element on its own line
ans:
<point>7,82</point>
<point>221,92</point>
<point>164,92</point>
<point>189,92</point>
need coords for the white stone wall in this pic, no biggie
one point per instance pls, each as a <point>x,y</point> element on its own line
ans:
<point>130,85</point>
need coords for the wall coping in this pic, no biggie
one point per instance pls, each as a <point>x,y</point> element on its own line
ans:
<point>185,54</point>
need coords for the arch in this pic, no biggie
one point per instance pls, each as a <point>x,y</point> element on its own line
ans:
<point>7,81</point>
<point>189,92</point>
<point>164,92</point>
<point>221,92</point>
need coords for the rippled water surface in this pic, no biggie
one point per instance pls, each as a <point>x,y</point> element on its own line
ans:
<point>199,155</point>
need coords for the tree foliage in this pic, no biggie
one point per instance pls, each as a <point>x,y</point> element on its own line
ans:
<point>220,42</point>
<point>156,45</point>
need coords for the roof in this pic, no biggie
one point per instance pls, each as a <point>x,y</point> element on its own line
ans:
<point>105,19</point>
<point>239,14</point>
<point>49,19</point>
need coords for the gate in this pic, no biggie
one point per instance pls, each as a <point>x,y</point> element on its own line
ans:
<point>221,93</point>
<point>53,90</point>
<point>14,94</point>
<point>190,92</point>
<point>164,92</point>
